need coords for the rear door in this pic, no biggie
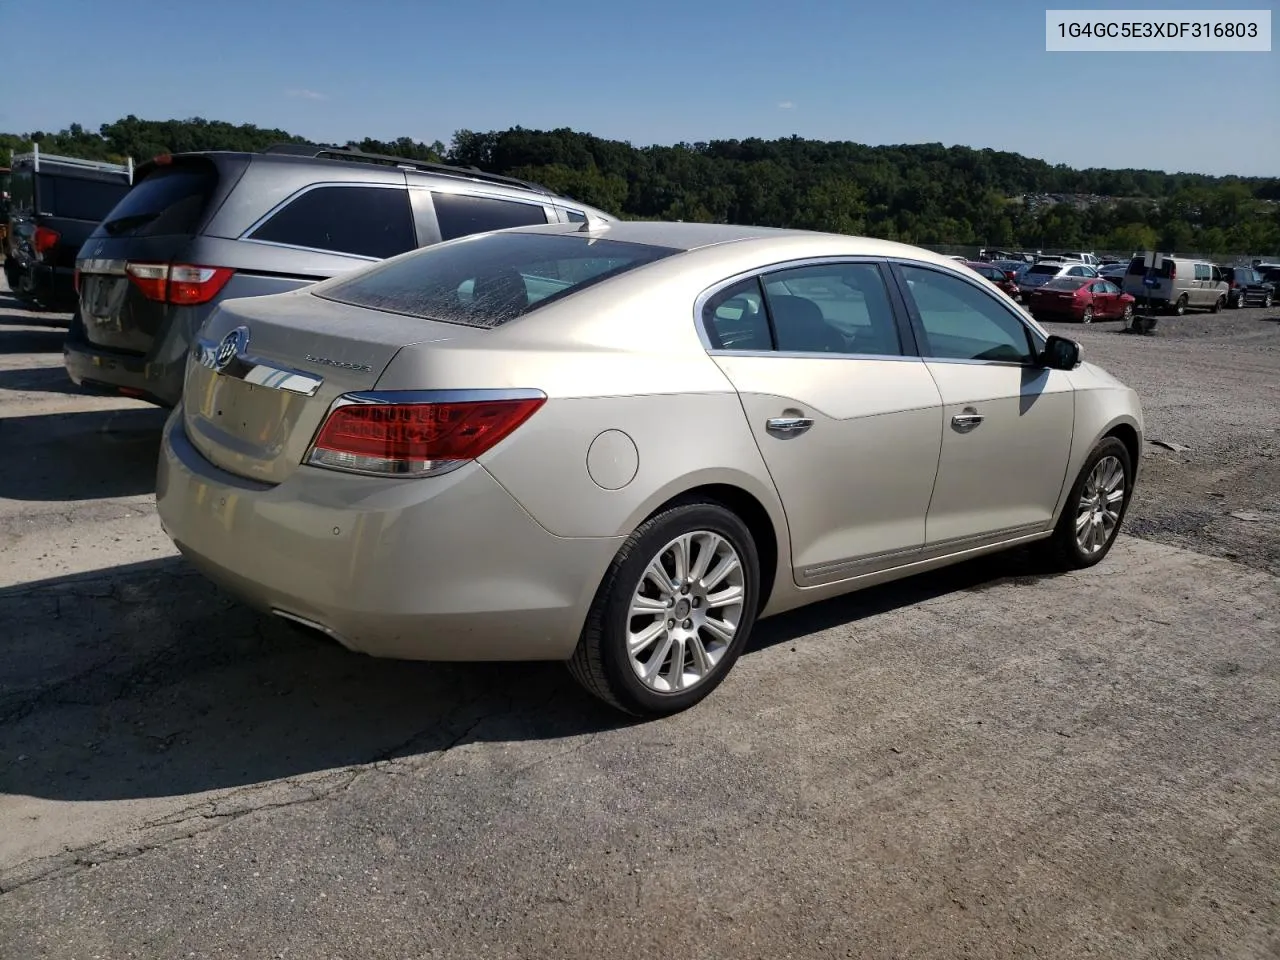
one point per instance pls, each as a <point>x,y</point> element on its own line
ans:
<point>846,417</point>
<point>1006,421</point>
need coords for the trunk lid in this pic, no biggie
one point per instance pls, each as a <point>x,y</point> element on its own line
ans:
<point>285,359</point>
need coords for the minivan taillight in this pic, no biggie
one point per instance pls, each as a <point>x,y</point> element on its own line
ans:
<point>377,434</point>
<point>45,239</point>
<point>182,284</point>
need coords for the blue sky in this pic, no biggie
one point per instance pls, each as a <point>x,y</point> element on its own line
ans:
<point>653,72</point>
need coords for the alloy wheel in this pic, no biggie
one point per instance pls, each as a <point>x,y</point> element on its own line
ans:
<point>1098,511</point>
<point>685,612</point>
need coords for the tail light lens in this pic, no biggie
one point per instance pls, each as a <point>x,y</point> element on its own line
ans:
<point>45,239</point>
<point>400,435</point>
<point>182,284</point>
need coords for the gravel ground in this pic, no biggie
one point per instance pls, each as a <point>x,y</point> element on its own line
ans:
<point>982,762</point>
<point>1210,387</point>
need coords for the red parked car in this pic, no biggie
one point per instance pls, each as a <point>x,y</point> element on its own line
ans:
<point>1083,299</point>
<point>993,273</point>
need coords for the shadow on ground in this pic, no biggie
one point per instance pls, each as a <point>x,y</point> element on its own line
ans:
<point>40,380</point>
<point>147,681</point>
<point>81,456</point>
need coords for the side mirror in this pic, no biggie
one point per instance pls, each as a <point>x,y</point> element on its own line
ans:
<point>1060,354</point>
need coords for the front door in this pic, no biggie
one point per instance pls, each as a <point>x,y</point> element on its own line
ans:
<point>848,426</point>
<point>1006,424</point>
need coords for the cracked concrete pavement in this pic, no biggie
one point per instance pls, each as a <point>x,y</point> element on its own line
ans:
<point>980,762</point>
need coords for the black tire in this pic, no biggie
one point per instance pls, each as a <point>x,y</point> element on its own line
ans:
<point>1218,305</point>
<point>1180,307</point>
<point>1087,315</point>
<point>600,662</point>
<point>1061,551</point>
<point>1266,302</point>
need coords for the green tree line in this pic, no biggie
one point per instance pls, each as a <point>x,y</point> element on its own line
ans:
<point>918,193</point>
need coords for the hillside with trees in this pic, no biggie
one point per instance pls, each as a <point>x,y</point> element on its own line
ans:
<point>918,193</point>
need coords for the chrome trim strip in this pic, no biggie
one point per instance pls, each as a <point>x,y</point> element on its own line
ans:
<point>91,265</point>
<point>925,552</point>
<point>436,396</point>
<point>255,370</point>
<point>802,355</point>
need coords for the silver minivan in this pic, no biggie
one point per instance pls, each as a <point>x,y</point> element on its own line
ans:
<point>1180,284</point>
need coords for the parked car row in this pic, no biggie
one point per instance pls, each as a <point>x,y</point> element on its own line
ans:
<point>1071,288</point>
<point>1180,283</point>
<point>143,256</point>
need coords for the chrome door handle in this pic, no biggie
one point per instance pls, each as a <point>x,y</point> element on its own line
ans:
<point>964,422</point>
<point>788,425</point>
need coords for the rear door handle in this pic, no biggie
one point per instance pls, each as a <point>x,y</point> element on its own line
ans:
<point>964,422</point>
<point>788,426</point>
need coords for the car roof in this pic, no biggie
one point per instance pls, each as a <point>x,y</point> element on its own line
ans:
<point>678,235</point>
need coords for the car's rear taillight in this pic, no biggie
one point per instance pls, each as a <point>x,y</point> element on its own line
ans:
<point>45,239</point>
<point>386,434</point>
<point>182,284</point>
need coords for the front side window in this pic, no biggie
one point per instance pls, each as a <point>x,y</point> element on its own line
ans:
<point>1203,272</point>
<point>960,321</point>
<point>833,308</point>
<point>365,221</point>
<point>462,214</point>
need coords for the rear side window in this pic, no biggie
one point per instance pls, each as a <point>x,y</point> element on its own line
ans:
<point>1050,268</point>
<point>365,221</point>
<point>167,202</point>
<point>77,199</point>
<point>491,278</point>
<point>462,214</point>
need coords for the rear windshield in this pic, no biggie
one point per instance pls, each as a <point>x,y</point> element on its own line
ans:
<point>77,199</point>
<point>489,279</point>
<point>169,201</point>
<point>1066,283</point>
<point>1049,268</point>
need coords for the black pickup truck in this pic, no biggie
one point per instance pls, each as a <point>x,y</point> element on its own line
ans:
<point>54,204</point>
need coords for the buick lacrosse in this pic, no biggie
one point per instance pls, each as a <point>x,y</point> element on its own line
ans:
<point>621,444</point>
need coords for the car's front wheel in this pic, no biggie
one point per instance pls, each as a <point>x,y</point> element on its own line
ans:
<point>1180,306</point>
<point>1095,509</point>
<point>673,612</point>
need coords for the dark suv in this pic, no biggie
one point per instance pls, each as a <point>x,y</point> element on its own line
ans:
<point>54,205</point>
<point>200,228</point>
<point>1245,286</point>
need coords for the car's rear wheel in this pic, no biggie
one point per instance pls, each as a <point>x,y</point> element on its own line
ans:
<point>1180,307</point>
<point>1127,316</point>
<point>1218,305</point>
<point>1266,302</point>
<point>1095,509</point>
<point>673,612</point>
<point>1087,316</point>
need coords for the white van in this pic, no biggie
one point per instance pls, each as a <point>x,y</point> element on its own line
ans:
<point>1180,285</point>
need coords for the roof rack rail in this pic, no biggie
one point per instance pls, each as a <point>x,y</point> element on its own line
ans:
<point>350,154</point>
<point>101,166</point>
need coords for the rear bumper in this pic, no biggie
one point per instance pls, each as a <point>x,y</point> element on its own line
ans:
<point>444,568</point>
<point>118,371</point>
<point>52,286</point>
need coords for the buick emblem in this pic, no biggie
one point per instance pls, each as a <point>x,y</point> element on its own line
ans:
<point>231,346</point>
